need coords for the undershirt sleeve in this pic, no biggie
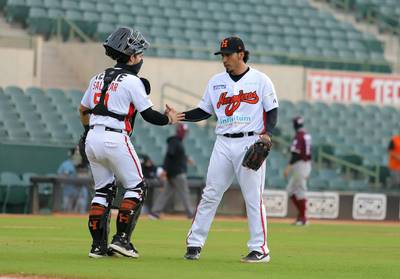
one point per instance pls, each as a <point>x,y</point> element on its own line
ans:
<point>272,119</point>
<point>154,117</point>
<point>196,115</point>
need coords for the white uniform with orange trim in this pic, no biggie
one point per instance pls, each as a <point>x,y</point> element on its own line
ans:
<point>112,153</point>
<point>240,108</point>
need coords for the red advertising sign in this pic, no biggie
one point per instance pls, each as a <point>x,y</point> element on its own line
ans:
<point>353,87</point>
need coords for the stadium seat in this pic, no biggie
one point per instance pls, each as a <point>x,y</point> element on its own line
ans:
<point>185,20</point>
<point>16,11</point>
<point>16,197</point>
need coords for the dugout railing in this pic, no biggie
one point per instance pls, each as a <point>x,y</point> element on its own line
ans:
<point>346,166</point>
<point>85,181</point>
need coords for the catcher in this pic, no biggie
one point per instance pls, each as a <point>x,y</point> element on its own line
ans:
<point>245,104</point>
<point>108,109</point>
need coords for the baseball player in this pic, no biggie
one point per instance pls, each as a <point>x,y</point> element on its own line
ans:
<point>245,104</point>
<point>299,169</point>
<point>394,162</point>
<point>107,111</point>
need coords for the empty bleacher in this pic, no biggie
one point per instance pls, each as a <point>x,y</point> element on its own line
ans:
<point>385,13</point>
<point>278,32</point>
<point>47,122</point>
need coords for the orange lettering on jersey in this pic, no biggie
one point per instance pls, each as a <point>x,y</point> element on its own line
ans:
<point>97,97</point>
<point>113,87</point>
<point>233,103</point>
<point>97,85</point>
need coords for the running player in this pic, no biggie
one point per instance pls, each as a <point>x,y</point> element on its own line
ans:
<point>299,169</point>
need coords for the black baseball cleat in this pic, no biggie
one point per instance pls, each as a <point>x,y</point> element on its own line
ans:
<point>256,257</point>
<point>98,251</point>
<point>112,253</point>
<point>192,253</point>
<point>122,246</point>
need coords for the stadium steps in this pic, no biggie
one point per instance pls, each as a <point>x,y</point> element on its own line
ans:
<point>56,73</point>
<point>11,29</point>
<point>390,42</point>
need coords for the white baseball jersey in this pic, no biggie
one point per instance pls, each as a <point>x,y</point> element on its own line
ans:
<point>125,95</point>
<point>238,105</point>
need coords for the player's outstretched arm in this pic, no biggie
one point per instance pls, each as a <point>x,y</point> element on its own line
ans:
<point>194,115</point>
<point>170,116</point>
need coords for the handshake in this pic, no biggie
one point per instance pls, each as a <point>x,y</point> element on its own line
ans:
<point>173,116</point>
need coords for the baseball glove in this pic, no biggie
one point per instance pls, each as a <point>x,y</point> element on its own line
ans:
<point>256,154</point>
<point>82,144</point>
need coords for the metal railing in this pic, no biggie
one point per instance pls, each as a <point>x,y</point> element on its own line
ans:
<point>348,166</point>
<point>177,100</point>
<point>73,30</point>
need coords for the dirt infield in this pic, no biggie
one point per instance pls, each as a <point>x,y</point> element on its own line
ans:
<point>229,218</point>
<point>14,276</point>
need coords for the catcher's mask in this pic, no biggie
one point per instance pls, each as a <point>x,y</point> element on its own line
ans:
<point>298,122</point>
<point>125,40</point>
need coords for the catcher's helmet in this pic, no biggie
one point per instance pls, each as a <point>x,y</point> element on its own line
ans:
<point>125,40</point>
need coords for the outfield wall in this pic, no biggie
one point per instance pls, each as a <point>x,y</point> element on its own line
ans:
<point>320,205</point>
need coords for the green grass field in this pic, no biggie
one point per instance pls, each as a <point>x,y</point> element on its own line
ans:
<point>57,246</point>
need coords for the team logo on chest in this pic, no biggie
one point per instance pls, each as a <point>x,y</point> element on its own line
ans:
<point>233,103</point>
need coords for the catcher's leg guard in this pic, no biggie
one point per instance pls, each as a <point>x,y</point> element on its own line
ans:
<point>99,217</point>
<point>129,210</point>
<point>128,215</point>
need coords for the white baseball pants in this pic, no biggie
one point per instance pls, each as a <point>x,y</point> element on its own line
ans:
<point>111,153</point>
<point>225,163</point>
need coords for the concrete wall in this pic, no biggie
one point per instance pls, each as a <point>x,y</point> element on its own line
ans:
<point>17,67</point>
<point>192,75</point>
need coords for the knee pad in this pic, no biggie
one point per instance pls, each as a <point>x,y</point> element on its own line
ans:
<point>105,195</point>
<point>139,192</point>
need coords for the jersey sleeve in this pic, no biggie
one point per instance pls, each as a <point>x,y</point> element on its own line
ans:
<point>205,102</point>
<point>86,96</point>
<point>269,98</point>
<point>140,99</point>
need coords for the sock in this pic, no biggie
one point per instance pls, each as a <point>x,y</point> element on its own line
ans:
<point>297,205</point>
<point>303,205</point>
